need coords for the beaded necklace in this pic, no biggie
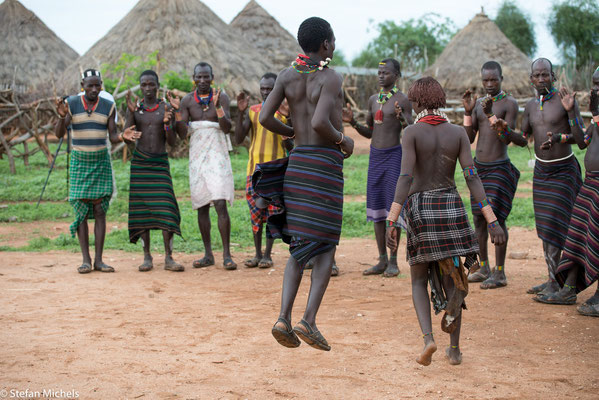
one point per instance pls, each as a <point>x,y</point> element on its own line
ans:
<point>500,96</point>
<point>383,97</point>
<point>86,107</point>
<point>548,96</point>
<point>142,107</point>
<point>203,100</point>
<point>431,117</point>
<point>305,61</point>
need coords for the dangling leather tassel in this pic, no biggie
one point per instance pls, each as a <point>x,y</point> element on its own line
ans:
<point>378,116</point>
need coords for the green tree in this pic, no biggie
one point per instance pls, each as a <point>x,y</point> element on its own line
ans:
<point>517,26</point>
<point>574,25</point>
<point>416,43</point>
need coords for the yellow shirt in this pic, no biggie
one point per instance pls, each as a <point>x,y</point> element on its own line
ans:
<point>265,146</point>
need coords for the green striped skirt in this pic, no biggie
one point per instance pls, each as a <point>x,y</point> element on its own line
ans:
<point>152,201</point>
<point>91,182</point>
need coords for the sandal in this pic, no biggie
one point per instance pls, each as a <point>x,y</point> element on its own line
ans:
<point>229,264</point>
<point>203,262</point>
<point>103,267</point>
<point>556,298</point>
<point>588,309</point>
<point>265,263</point>
<point>173,266</point>
<point>85,268</point>
<point>286,337</point>
<point>146,266</point>
<point>252,262</point>
<point>335,270</point>
<point>311,337</point>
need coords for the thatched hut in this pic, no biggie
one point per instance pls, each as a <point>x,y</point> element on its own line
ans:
<point>184,32</point>
<point>261,29</point>
<point>31,52</point>
<point>458,66</point>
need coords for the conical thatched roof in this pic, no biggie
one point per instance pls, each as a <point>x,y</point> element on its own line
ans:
<point>458,66</point>
<point>31,52</point>
<point>261,29</point>
<point>185,32</point>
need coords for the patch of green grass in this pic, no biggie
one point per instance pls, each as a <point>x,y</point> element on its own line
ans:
<point>20,192</point>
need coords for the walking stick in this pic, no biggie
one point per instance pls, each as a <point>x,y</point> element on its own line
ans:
<point>49,172</point>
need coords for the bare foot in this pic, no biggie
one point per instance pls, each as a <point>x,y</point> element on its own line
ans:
<point>376,269</point>
<point>453,355</point>
<point>426,356</point>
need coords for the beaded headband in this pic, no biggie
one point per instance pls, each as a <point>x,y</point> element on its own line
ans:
<point>90,72</point>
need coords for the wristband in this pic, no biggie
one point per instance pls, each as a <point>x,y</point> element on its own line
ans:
<point>394,212</point>
<point>563,138</point>
<point>573,122</point>
<point>504,134</point>
<point>390,224</point>
<point>220,112</point>
<point>467,120</point>
<point>340,140</point>
<point>493,224</point>
<point>492,119</point>
<point>587,139</point>
<point>469,171</point>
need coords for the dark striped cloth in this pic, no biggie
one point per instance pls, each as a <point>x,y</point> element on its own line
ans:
<point>581,249</point>
<point>554,189</point>
<point>500,180</point>
<point>152,201</point>
<point>437,227</point>
<point>384,167</point>
<point>311,199</point>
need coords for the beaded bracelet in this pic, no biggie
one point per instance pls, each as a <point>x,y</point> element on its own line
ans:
<point>483,203</point>
<point>493,224</point>
<point>469,171</point>
<point>587,139</point>
<point>391,224</point>
<point>503,135</point>
<point>573,122</point>
<point>563,138</point>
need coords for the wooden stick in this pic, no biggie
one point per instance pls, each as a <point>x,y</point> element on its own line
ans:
<point>11,159</point>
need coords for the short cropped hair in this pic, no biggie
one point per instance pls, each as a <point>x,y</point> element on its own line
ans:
<point>541,59</point>
<point>427,93</point>
<point>203,65</point>
<point>312,32</point>
<point>492,65</point>
<point>269,75</point>
<point>395,64</point>
<point>149,72</point>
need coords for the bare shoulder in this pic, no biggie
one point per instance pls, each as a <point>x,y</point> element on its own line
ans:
<point>511,101</point>
<point>333,76</point>
<point>287,75</point>
<point>186,99</point>
<point>531,103</point>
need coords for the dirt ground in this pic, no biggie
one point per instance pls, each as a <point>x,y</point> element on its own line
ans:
<point>205,334</point>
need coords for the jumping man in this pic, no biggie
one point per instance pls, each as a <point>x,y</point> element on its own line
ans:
<point>312,189</point>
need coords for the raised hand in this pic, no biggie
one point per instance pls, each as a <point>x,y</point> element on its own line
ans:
<point>347,146</point>
<point>594,102</point>
<point>216,99</point>
<point>497,235</point>
<point>469,101</point>
<point>284,108</point>
<point>242,102</point>
<point>567,98</point>
<point>499,126</point>
<point>546,145</point>
<point>131,105</point>
<point>62,107</point>
<point>347,114</point>
<point>487,105</point>
<point>168,115</point>
<point>174,100</point>
<point>130,134</point>
<point>391,238</point>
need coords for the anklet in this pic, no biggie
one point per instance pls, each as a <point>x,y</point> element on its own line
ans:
<point>483,263</point>
<point>383,257</point>
<point>426,334</point>
<point>393,258</point>
<point>454,347</point>
<point>569,286</point>
<point>500,268</point>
